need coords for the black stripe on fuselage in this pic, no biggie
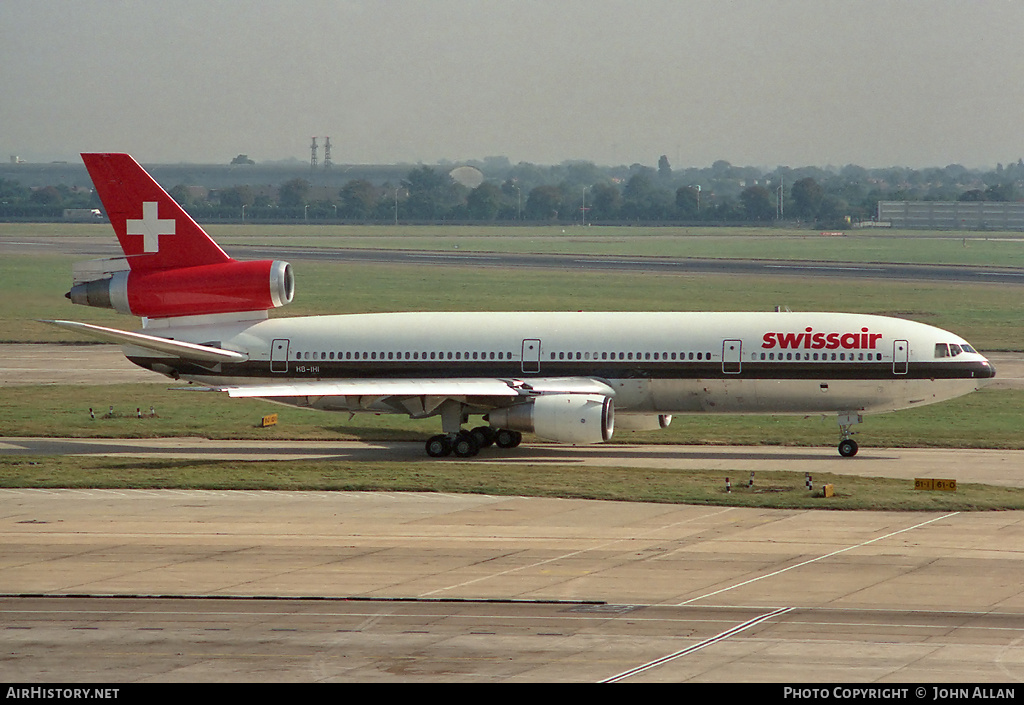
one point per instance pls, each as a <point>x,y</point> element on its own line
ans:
<point>434,369</point>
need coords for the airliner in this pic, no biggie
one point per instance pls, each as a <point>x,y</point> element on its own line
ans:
<point>567,377</point>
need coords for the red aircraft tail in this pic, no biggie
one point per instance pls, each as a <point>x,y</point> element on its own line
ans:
<point>176,269</point>
<point>154,231</point>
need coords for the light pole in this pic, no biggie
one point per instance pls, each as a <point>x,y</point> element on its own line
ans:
<point>782,205</point>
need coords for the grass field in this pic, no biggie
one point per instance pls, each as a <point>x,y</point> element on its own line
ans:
<point>780,490</point>
<point>986,419</point>
<point>990,249</point>
<point>33,286</point>
<point>868,245</point>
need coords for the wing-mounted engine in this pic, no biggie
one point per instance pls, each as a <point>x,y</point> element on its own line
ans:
<point>225,287</point>
<point>564,418</point>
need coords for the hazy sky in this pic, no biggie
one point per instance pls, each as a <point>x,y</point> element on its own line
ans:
<point>755,82</point>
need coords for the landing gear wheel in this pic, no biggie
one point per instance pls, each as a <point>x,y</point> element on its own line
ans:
<point>848,448</point>
<point>484,436</point>
<point>465,445</point>
<point>439,446</point>
<point>507,439</point>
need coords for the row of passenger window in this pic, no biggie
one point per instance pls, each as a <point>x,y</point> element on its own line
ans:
<point>629,356</point>
<point>349,355</point>
<point>447,355</point>
<point>857,357</point>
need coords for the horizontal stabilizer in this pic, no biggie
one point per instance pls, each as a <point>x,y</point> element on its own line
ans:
<point>188,351</point>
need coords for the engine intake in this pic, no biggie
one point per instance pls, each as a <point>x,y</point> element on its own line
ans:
<point>226,287</point>
<point>577,419</point>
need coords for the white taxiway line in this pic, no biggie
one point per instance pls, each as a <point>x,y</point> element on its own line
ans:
<point>698,646</point>
<point>565,555</point>
<point>819,558</point>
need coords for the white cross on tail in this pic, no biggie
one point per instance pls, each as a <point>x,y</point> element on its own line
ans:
<point>151,227</point>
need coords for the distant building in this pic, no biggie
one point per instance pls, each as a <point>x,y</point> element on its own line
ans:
<point>952,215</point>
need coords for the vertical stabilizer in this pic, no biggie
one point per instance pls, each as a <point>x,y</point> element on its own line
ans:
<point>154,231</point>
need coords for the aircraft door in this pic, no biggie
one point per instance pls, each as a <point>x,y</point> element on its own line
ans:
<point>732,356</point>
<point>900,356</point>
<point>279,355</point>
<point>531,355</point>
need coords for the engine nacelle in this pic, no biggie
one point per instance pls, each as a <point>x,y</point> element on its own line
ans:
<point>643,422</point>
<point>226,287</point>
<point>564,418</point>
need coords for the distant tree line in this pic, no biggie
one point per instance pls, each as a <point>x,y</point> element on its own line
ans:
<point>48,202</point>
<point>577,192</point>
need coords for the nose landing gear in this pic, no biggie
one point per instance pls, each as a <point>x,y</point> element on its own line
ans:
<point>847,446</point>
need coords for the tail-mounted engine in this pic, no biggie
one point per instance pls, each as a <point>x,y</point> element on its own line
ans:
<point>225,287</point>
<point>564,418</point>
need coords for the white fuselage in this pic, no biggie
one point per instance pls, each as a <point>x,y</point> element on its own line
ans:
<point>656,363</point>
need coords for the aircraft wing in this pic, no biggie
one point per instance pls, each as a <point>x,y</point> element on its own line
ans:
<point>433,387</point>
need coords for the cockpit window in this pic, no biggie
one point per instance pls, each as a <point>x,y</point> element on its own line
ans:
<point>952,349</point>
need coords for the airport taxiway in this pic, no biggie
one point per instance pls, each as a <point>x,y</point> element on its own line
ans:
<point>150,585</point>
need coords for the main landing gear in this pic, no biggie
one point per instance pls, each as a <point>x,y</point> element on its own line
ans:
<point>847,446</point>
<point>466,444</point>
